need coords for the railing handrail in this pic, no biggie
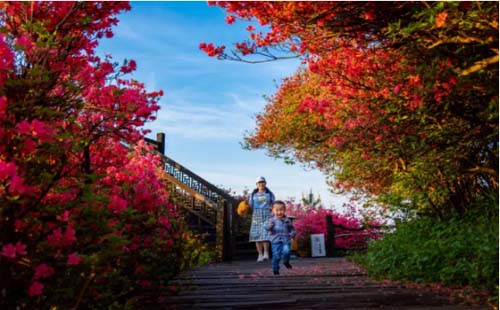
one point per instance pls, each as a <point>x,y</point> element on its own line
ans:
<point>356,234</point>
<point>185,171</point>
<point>197,178</point>
<point>221,204</point>
<point>363,227</point>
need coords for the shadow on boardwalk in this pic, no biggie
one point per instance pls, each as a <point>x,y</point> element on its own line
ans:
<point>313,283</point>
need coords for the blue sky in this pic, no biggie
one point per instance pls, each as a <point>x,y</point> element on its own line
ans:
<point>208,104</point>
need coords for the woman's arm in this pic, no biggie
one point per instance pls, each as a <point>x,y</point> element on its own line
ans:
<point>273,199</point>
<point>249,200</point>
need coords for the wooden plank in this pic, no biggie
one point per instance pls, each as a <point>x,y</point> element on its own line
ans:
<point>326,283</point>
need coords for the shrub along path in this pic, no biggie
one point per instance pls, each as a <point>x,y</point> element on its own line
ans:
<point>313,283</point>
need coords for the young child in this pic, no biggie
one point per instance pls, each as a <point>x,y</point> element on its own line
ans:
<point>281,232</point>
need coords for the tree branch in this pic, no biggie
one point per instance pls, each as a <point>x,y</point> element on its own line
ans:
<point>478,65</point>
<point>459,40</point>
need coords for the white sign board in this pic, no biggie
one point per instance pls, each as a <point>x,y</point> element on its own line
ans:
<point>318,245</point>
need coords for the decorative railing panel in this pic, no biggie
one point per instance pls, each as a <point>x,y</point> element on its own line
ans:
<point>211,204</point>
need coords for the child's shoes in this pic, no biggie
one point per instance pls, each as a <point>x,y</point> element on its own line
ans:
<point>287,265</point>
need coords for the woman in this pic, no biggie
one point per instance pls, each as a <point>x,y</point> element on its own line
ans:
<point>261,201</point>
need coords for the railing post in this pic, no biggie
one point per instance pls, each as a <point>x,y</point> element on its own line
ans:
<point>228,231</point>
<point>234,228</point>
<point>219,230</point>
<point>160,138</point>
<point>330,236</point>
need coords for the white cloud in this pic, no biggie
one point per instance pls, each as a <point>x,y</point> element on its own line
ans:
<point>247,102</point>
<point>186,116</point>
<point>284,186</point>
<point>214,113</point>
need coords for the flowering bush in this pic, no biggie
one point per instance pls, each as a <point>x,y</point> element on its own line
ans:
<point>84,220</point>
<point>313,221</point>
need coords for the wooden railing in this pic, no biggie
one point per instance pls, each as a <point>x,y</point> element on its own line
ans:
<point>365,232</point>
<point>210,204</point>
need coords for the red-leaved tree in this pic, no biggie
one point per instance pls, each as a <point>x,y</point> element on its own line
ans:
<point>396,100</point>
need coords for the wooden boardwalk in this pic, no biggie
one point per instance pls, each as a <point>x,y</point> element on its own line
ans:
<point>313,283</point>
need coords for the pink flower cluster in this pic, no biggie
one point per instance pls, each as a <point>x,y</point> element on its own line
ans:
<point>13,250</point>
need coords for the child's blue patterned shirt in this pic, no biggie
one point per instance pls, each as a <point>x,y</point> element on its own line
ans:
<point>281,231</point>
